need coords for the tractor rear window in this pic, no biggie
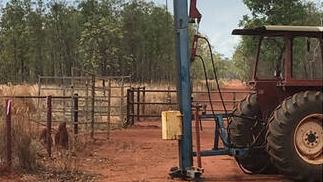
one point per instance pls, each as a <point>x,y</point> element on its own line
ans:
<point>270,58</point>
<point>307,59</point>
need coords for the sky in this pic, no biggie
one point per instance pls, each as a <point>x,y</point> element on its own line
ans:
<point>219,18</point>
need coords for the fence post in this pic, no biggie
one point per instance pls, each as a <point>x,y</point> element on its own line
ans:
<point>87,102</point>
<point>169,98</point>
<point>8,132</point>
<point>73,85</point>
<point>75,112</point>
<point>103,85</point>
<point>138,104</point>
<point>93,106</point>
<point>109,108</point>
<point>143,100</point>
<point>49,125</point>
<point>128,106</point>
<point>234,98</point>
<point>121,102</point>
<point>39,90</point>
<point>132,100</point>
<point>64,103</point>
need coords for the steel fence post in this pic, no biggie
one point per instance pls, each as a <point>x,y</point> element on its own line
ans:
<point>138,104</point>
<point>121,102</point>
<point>49,125</point>
<point>8,132</point>
<point>93,106</point>
<point>109,108</point>
<point>143,101</point>
<point>75,112</point>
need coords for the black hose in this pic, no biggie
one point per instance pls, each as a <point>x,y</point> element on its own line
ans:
<point>206,83</point>
<point>210,100</point>
<point>225,110</point>
<point>219,89</point>
<point>215,74</point>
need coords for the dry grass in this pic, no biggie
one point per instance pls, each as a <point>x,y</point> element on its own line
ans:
<point>28,152</point>
<point>21,106</point>
<point>24,147</point>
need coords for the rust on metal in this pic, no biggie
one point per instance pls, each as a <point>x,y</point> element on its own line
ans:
<point>8,132</point>
<point>197,132</point>
<point>134,108</point>
<point>49,125</point>
<point>271,92</point>
<point>75,114</point>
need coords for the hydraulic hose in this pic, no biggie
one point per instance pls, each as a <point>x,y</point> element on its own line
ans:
<point>218,88</point>
<point>210,99</point>
<point>215,74</point>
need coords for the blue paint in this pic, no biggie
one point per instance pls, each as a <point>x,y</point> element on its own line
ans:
<point>227,149</point>
<point>184,97</point>
<point>237,152</point>
<point>183,81</point>
<point>224,133</point>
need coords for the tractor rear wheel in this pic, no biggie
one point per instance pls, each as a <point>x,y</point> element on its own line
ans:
<point>295,136</point>
<point>244,128</point>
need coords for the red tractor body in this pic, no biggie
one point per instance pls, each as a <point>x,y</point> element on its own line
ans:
<point>271,91</point>
<point>284,117</point>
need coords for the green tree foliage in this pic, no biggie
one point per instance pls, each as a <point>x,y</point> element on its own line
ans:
<point>50,37</point>
<point>271,12</point>
<point>99,44</point>
<point>109,37</point>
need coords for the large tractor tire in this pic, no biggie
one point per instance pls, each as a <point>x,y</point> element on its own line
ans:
<point>243,131</point>
<point>295,136</point>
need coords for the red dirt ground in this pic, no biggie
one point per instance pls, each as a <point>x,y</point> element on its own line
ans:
<point>139,154</point>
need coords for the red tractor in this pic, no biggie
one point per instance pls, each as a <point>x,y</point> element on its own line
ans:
<point>282,120</point>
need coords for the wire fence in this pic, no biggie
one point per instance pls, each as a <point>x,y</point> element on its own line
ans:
<point>83,105</point>
<point>25,133</point>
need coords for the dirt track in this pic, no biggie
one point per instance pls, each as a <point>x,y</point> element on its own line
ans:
<point>139,154</point>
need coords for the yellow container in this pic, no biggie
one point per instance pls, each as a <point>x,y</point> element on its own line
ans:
<point>171,125</point>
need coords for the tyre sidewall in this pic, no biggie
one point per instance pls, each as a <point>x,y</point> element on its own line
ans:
<point>295,117</point>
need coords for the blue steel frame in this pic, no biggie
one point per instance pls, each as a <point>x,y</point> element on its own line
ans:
<point>227,149</point>
<point>184,97</point>
<point>183,82</point>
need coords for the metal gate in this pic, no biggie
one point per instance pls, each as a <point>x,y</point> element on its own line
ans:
<point>145,103</point>
<point>102,99</point>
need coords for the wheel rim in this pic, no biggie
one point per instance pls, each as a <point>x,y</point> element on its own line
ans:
<point>308,138</point>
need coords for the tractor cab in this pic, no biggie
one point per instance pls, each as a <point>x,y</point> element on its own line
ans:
<point>288,59</point>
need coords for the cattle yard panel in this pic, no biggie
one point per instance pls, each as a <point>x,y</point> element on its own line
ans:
<point>145,103</point>
<point>101,99</point>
